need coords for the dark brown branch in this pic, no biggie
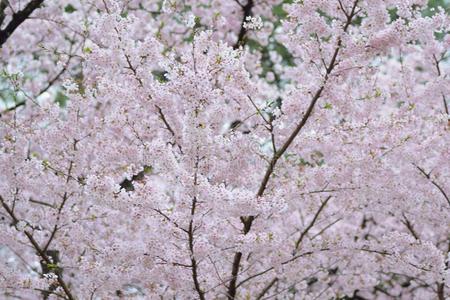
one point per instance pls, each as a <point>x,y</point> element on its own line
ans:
<point>307,254</point>
<point>191,230</point>
<point>428,176</point>
<point>308,112</point>
<point>133,69</point>
<point>325,228</point>
<point>441,285</point>
<point>168,127</point>
<point>17,19</point>
<point>410,227</point>
<point>438,69</point>
<point>52,254</point>
<point>330,190</point>
<point>106,7</point>
<point>56,227</point>
<point>440,291</point>
<point>38,249</point>
<point>163,118</point>
<point>13,108</point>
<point>266,289</point>
<point>60,208</point>
<point>3,5</point>
<point>52,236</point>
<point>170,220</point>
<point>42,203</point>
<point>175,264</point>
<point>311,224</point>
<point>239,3</point>
<point>56,78</point>
<point>258,110</point>
<point>283,263</point>
<point>160,112</point>
<point>247,221</point>
<point>342,8</point>
<point>247,12</point>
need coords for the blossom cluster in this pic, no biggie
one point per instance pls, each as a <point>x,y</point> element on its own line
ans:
<point>224,149</point>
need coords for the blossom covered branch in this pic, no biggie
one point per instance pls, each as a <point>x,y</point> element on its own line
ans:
<point>224,149</point>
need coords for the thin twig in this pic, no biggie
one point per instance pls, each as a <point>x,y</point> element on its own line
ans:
<point>428,176</point>
<point>311,224</point>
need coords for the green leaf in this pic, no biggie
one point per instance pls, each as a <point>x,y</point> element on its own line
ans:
<point>253,44</point>
<point>378,93</point>
<point>288,59</point>
<point>61,99</point>
<point>69,8</point>
<point>160,76</point>
<point>87,50</point>
<point>328,106</point>
<point>45,163</point>
<point>279,11</point>
<point>148,169</point>
<point>393,14</point>
<point>52,266</point>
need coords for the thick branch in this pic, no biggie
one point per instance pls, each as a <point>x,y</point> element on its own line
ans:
<point>194,263</point>
<point>440,291</point>
<point>13,108</point>
<point>247,12</point>
<point>3,5</point>
<point>18,18</point>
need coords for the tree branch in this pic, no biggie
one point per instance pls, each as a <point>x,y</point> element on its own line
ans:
<point>160,112</point>
<point>410,227</point>
<point>191,229</point>
<point>311,224</point>
<point>428,176</point>
<point>438,69</point>
<point>247,10</point>
<point>267,288</point>
<point>17,19</point>
<point>247,221</point>
<point>3,5</point>
<point>38,249</point>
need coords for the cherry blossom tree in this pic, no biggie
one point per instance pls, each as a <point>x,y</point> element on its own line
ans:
<point>240,149</point>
